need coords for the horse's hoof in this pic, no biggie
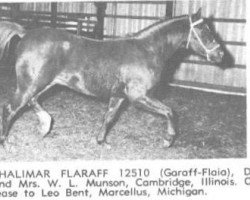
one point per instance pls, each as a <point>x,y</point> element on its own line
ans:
<point>103,142</point>
<point>2,140</point>
<point>167,142</point>
<point>44,129</point>
<point>10,147</point>
<point>45,123</point>
<point>108,146</point>
<point>2,143</point>
<point>100,140</point>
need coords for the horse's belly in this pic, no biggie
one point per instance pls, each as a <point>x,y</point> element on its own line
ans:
<point>100,85</point>
<point>74,81</point>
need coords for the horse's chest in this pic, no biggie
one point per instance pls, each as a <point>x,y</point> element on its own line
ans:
<point>138,73</point>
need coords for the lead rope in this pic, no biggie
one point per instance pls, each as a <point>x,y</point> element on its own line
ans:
<point>192,30</point>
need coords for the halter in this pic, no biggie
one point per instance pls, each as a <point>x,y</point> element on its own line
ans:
<point>192,30</point>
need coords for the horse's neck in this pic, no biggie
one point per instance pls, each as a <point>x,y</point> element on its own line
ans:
<point>167,37</point>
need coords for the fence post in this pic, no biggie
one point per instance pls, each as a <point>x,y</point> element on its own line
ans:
<point>14,12</point>
<point>53,14</point>
<point>79,27</point>
<point>100,14</point>
<point>169,9</point>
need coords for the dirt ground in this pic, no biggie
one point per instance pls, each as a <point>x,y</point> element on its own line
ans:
<point>210,126</point>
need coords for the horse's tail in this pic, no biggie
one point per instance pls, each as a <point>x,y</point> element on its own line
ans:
<point>7,31</point>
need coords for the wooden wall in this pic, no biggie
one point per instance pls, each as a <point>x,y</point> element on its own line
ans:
<point>127,18</point>
<point>72,16</point>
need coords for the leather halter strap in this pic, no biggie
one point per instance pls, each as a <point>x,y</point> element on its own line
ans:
<point>192,30</point>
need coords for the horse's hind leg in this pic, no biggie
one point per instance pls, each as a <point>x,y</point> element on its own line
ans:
<point>44,118</point>
<point>157,107</point>
<point>18,101</point>
<point>114,105</point>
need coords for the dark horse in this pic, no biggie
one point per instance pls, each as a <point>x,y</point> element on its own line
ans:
<point>126,68</point>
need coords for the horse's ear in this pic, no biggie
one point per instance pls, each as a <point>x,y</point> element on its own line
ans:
<point>198,14</point>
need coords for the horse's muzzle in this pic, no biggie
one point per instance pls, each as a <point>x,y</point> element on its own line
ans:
<point>216,56</point>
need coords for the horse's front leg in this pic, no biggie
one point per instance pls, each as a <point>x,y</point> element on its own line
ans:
<point>157,107</point>
<point>113,108</point>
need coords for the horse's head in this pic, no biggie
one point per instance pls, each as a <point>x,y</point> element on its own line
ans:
<point>202,41</point>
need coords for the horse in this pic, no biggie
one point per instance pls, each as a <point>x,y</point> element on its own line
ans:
<point>125,69</point>
<point>9,30</point>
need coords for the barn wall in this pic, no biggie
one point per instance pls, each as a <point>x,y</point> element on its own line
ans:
<point>128,18</point>
<point>39,7</point>
<point>68,14</point>
<point>69,7</point>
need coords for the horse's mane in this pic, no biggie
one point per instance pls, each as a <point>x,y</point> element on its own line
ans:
<point>157,24</point>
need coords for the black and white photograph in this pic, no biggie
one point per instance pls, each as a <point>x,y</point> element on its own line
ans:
<point>123,80</point>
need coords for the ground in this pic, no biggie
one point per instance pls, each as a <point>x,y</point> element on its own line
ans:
<point>209,126</point>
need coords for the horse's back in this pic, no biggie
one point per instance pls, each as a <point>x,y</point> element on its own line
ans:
<point>43,37</point>
<point>89,66</point>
